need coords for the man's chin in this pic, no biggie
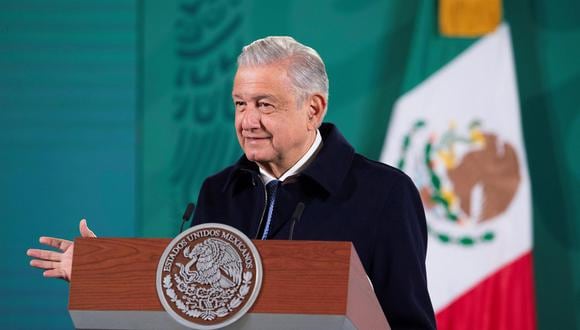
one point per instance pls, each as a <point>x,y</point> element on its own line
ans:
<point>252,156</point>
<point>256,156</point>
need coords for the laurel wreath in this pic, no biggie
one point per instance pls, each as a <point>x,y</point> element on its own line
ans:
<point>206,314</point>
<point>407,143</point>
<point>465,240</point>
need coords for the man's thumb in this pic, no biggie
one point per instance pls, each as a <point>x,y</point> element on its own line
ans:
<point>84,229</point>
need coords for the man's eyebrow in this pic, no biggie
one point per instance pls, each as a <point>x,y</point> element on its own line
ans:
<point>257,96</point>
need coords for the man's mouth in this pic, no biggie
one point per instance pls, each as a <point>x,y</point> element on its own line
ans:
<point>250,138</point>
<point>253,140</point>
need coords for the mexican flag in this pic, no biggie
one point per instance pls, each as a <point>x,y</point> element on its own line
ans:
<point>458,135</point>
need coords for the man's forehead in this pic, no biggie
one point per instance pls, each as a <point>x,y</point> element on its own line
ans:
<point>260,81</point>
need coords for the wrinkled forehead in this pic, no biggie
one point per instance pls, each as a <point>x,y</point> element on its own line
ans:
<point>262,79</point>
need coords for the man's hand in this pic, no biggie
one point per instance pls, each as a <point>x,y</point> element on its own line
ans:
<point>57,263</point>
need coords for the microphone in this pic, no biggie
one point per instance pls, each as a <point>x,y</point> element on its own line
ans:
<point>295,218</point>
<point>187,215</point>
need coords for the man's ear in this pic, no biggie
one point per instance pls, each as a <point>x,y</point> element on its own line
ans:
<point>316,110</point>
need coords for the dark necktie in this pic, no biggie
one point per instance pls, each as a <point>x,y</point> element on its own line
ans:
<point>271,189</point>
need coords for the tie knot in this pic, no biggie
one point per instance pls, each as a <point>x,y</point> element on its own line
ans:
<point>272,186</point>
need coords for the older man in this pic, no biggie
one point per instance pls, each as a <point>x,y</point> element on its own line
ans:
<point>290,158</point>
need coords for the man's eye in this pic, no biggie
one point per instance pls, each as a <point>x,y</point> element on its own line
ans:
<point>264,105</point>
<point>239,104</point>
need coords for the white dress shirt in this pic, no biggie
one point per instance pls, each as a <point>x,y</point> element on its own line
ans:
<point>267,177</point>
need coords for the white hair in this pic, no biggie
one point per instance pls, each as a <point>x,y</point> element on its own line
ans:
<point>305,67</point>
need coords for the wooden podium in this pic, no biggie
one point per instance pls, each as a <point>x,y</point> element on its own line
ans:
<point>306,285</point>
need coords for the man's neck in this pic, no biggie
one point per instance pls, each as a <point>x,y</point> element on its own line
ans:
<point>269,173</point>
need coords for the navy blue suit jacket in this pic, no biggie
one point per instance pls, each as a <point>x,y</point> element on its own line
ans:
<point>347,197</point>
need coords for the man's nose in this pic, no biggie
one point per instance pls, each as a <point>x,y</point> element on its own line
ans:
<point>251,118</point>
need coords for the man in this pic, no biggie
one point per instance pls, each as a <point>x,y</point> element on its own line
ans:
<point>290,158</point>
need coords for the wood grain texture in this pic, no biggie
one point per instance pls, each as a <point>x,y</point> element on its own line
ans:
<point>115,274</point>
<point>300,277</point>
<point>303,277</point>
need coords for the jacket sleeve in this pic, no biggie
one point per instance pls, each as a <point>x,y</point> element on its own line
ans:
<point>398,271</point>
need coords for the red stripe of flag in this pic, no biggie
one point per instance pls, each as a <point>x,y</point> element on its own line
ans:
<point>503,301</point>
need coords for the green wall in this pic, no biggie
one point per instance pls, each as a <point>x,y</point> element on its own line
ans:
<point>67,139</point>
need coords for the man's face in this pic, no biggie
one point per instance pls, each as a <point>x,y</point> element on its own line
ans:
<point>272,128</point>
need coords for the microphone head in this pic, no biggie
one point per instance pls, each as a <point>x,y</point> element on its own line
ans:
<point>188,212</point>
<point>295,218</point>
<point>298,211</point>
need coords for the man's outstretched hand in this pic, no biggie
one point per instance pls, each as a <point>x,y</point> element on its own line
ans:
<point>57,263</point>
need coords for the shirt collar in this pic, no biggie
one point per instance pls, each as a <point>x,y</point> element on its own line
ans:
<point>295,169</point>
<point>328,167</point>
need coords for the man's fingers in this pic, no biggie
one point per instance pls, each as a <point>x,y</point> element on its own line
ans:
<point>59,243</point>
<point>53,273</point>
<point>44,254</point>
<point>84,229</point>
<point>44,264</point>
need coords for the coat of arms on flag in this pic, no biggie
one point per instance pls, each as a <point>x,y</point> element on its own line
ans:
<point>467,177</point>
